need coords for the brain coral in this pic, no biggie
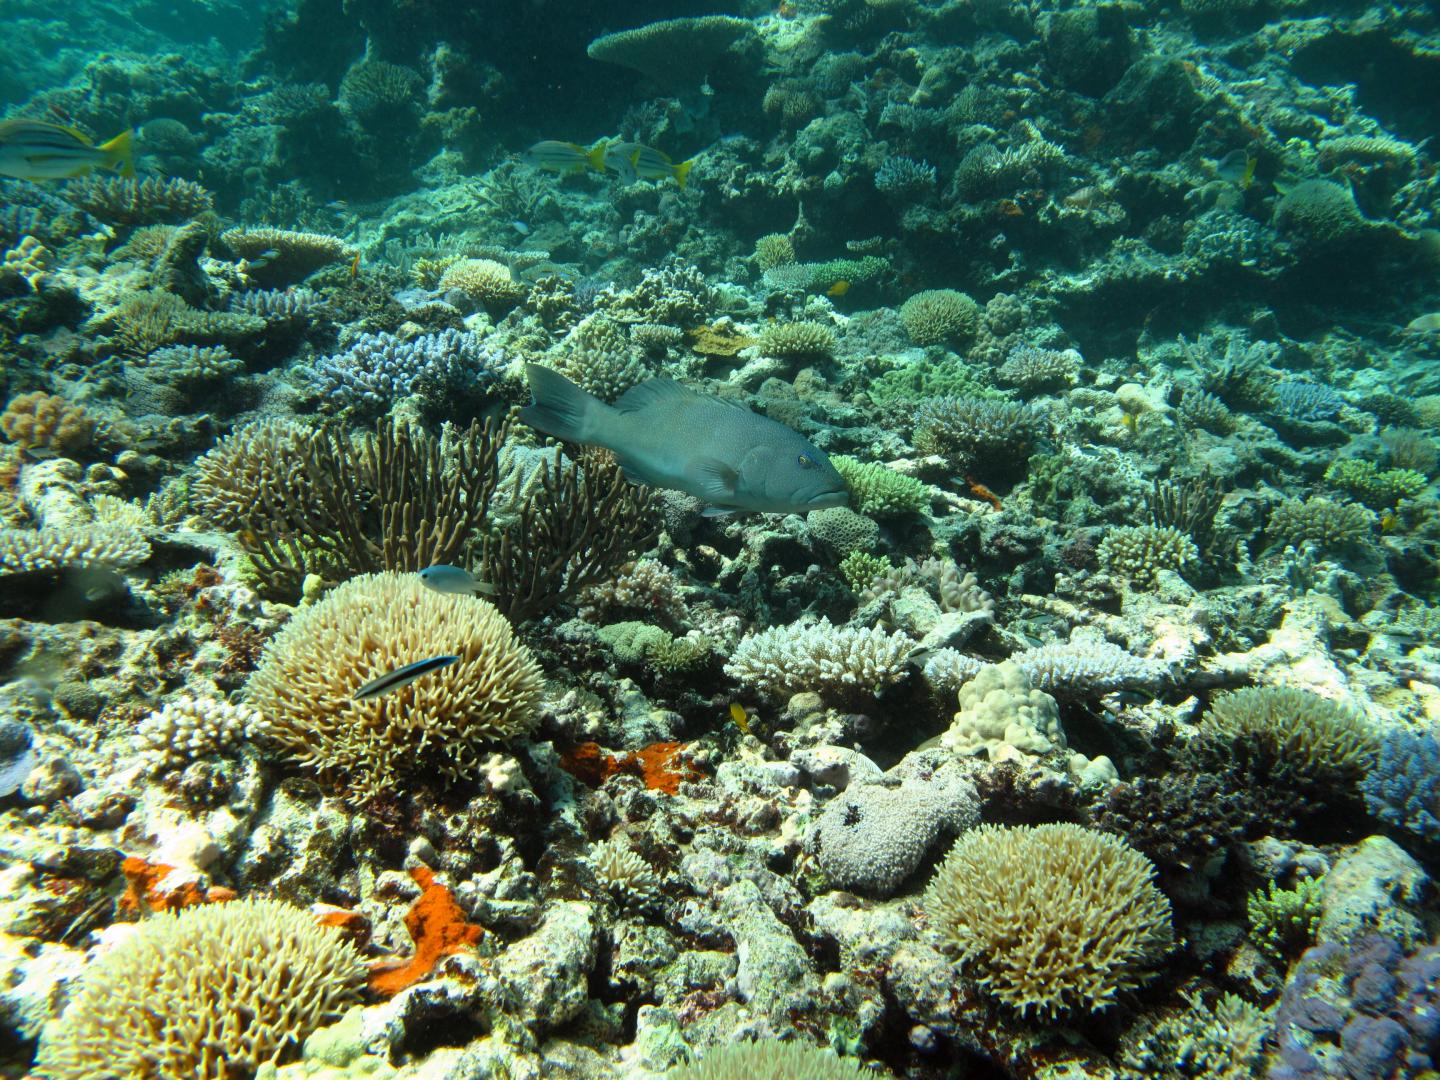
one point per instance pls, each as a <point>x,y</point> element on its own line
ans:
<point>1050,919</point>
<point>374,624</point>
<point>936,316</point>
<point>206,994</point>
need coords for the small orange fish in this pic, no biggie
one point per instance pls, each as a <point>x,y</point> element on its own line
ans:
<point>355,266</point>
<point>1009,208</point>
<point>738,714</point>
<point>839,289</point>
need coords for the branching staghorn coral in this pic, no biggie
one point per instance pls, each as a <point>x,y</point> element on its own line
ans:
<point>394,499</point>
<point>580,522</point>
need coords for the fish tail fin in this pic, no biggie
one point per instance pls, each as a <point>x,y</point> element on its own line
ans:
<point>682,171</point>
<point>120,152</point>
<point>596,155</point>
<point>560,407</point>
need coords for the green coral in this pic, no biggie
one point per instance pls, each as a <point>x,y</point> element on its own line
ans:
<point>937,316</point>
<point>1284,920</point>
<point>1329,525</point>
<point>1140,552</point>
<point>879,491</point>
<point>860,568</point>
<point>772,250</point>
<point>640,644</point>
<point>856,271</point>
<point>950,377</point>
<point>1377,488</point>
<point>798,341</point>
<point>631,641</point>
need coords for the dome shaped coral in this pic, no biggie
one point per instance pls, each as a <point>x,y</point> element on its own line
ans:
<point>369,626</point>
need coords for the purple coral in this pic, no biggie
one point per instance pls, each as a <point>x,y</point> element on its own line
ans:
<point>1366,1011</point>
<point>379,369</point>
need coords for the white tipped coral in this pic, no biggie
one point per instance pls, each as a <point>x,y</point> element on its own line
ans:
<point>31,550</point>
<point>190,728</point>
<point>786,660</point>
<point>210,993</point>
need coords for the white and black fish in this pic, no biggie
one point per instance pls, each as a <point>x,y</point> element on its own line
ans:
<point>402,676</point>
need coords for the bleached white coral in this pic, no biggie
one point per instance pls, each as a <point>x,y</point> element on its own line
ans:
<point>946,670</point>
<point>785,660</point>
<point>30,550</point>
<point>1003,717</point>
<point>622,871</point>
<point>1085,667</point>
<point>189,728</point>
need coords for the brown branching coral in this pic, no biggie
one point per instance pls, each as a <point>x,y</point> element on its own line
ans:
<point>150,319</point>
<point>283,257</point>
<point>397,499</point>
<point>582,521</point>
<point>44,424</point>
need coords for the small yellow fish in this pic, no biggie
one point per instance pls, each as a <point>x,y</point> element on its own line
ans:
<point>1388,521</point>
<point>355,266</point>
<point>1248,176</point>
<point>839,289</point>
<point>738,714</point>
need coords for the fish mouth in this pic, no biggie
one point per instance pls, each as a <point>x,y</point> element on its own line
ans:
<point>828,498</point>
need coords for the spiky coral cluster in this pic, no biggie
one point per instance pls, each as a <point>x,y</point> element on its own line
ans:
<point>372,625</point>
<point>1318,741</point>
<point>959,428</point>
<point>771,1058</point>
<point>1140,552</point>
<point>1050,919</point>
<point>1330,526</point>
<point>379,369</point>
<point>484,281</point>
<point>880,491</point>
<point>938,316</point>
<point>283,256</point>
<point>199,995</point>
<point>265,456</point>
<point>828,659</point>
<point>798,341</point>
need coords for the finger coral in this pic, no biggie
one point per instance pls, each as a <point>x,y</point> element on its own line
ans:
<point>42,422</point>
<point>830,660</point>
<point>207,994</point>
<point>371,625</point>
<point>938,316</point>
<point>63,548</point>
<point>1050,919</point>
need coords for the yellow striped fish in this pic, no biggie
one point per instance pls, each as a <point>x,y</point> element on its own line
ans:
<point>37,150</point>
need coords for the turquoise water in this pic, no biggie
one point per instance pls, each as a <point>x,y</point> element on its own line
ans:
<point>843,537</point>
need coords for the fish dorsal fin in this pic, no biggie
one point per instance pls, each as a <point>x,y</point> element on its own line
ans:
<point>654,392</point>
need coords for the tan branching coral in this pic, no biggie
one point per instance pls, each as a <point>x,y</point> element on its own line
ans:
<point>282,256</point>
<point>236,474</point>
<point>485,281</point>
<point>46,424</point>
<point>128,200</point>
<point>1050,919</point>
<point>1318,739</point>
<point>212,992</point>
<point>149,319</point>
<point>436,725</point>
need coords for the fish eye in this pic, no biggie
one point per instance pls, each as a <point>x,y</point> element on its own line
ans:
<point>806,462</point>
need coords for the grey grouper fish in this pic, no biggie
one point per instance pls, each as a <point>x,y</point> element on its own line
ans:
<point>666,435</point>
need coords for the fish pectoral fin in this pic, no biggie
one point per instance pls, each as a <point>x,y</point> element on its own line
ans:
<point>715,480</point>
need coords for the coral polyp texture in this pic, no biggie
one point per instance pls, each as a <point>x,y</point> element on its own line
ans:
<point>1050,919</point>
<point>204,993</point>
<point>733,453</point>
<point>306,680</point>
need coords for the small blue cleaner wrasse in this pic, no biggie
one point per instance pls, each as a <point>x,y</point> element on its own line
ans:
<point>402,676</point>
<point>668,436</point>
<point>38,150</point>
